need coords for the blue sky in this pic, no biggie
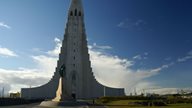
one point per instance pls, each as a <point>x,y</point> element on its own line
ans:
<point>149,34</point>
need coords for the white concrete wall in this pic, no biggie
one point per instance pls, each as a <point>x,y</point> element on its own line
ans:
<point>86,84</point>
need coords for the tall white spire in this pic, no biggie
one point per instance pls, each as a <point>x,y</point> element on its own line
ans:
<point>73,78</point>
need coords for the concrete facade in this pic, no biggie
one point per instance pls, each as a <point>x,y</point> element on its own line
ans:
<point>78,78</point>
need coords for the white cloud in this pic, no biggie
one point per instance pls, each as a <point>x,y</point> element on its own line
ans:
<point>186,58</point>
<point>137,57</point>
<point>133,24</point>
<point>124,24</point>
<point>141,56</point>
<point>56,50</point>
<point>109,70</point>
<point>46,64</point>
<point>116,72</point>
<point>146,53</point>
<point>121,24</point>
<point>139,22</point>
<point>22,78</point>
<point>190,53</point>
<point>4,87</point>
<point>163,91</point>
<point>25,77</point>
<point>4,25</point>
<point>7,52</point>
<point>36,49</point>
<point>95,46</point>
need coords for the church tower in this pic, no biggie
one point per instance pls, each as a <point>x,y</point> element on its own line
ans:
<point>73,66</point>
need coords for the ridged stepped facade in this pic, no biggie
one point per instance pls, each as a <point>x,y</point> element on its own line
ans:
<point>73,66</point>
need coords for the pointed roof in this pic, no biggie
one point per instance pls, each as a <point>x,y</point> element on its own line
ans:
<point>76,4</point>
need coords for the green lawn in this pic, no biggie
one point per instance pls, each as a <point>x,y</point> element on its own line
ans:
<point>124,104</point>
<point>169,106</point>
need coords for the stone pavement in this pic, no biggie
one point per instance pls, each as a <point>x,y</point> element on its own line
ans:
<point>36,106</point>
<point>21,106</point>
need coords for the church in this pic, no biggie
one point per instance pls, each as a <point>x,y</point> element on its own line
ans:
<point>73,66</point>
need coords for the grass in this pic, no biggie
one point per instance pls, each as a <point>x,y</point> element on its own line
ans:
<point>124,104</point>
<point>169,106</point>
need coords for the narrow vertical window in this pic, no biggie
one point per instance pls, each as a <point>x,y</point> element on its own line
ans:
<point>71,13</point>
<point>79,13</point>
<point>75,12</point>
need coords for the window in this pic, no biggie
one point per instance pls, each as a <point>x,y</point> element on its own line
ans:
<point>74,77</point>
<point>74,50</point>
<point>79,13</point>
<point>75,12</point>
<point>71,13</point>
<point>73,65</point>
<point>74,57</point>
